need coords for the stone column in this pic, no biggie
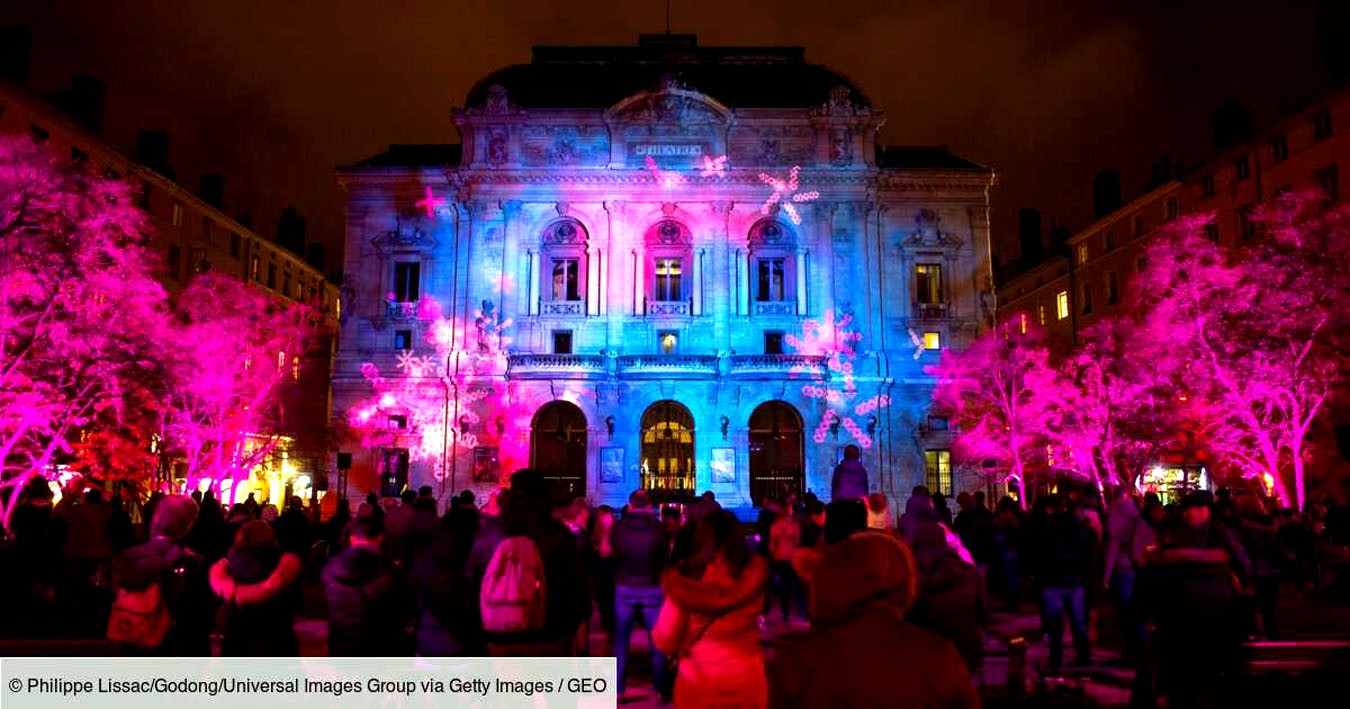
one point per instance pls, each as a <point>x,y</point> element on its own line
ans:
<point>697,295</point>
<point>801,282</point>
<point>533,275</point>
<point>593,281</point>
<point>510,260</point>
<point>723,276</point>
<point>612,266</point>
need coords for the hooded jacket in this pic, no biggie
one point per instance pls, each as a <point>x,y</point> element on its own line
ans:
<point>260,609</point>
<point>710,626</point>
<point>849,482</point>
<point>366,605</point>
<point>863,588</point>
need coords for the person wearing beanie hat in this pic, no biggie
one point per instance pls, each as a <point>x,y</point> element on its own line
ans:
<point>256,582</point>
<point>181,574</point>
<point>862,588</point>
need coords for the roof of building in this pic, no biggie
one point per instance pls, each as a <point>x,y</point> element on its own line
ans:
<point>416,155</point>
<point>923,157</point>
<point>599,77</point>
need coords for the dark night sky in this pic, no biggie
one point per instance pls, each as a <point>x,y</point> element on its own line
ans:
<point>275,93</point>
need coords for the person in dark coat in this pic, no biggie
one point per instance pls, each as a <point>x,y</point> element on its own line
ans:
<point>448,623</point>
<point>1257,532</point>
<point>1061,566</point>
<point>641,548</point>
<point>946,600</point>
<point>257,583</point>
<point>181,573</point>
<point>850,477</point>
<point>863,587</point>
<point>366,599</point>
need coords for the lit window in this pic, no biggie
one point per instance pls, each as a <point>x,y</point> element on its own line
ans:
<point>1022,323</point>
<point>295,368</point>
<point>669,340</point>
<point>255,268</point>
<point>928,283</point>
<point>1062,304</point>
<point>668,272</point>
<point>281,360</point>
<point>1040,314</point>
<point>932,341</point>
<point>938,466</point>
<point>398,421</point>
<point>1050,455</point>
<point>566,282</point>
<point>1082,254</point>
<point>177,214</point>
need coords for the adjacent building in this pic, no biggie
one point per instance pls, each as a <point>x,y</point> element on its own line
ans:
<point>665,266</point>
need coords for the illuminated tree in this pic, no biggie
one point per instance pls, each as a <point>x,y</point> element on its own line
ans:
<point>235,352</point>
<point>999,391</point>
<point>1254,333</point>
<point>80,311</point>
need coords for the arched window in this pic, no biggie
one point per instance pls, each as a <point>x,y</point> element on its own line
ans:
<point>777,452</point>
<point>564,268</point>
<point>773,268</point>
<point>670,258</point>
<point>558,445</point>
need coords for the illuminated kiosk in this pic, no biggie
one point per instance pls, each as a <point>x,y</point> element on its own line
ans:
<point>677,267</point>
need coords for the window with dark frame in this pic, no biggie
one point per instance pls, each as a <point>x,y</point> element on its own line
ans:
<point>668,341</point>
<point>1246,226</point>
<point>668,286</point>
<point>235,243</point>
<point>1322,126</point>
<point>772,281</point>
<point>938,423</point>
<point>1207,186</point>
<point>407,281</point>
<point>928,283</point>
<point>1087,299</point>
<point>173,260</point>
<point>403,340</point>
<point>1329,182</point>
<point>773,342</point>
<point>1112,288</point>
<point>398,421</point>
<point>1212,232</point>
<point>562,342</point>
<point>1279,148</point>
<point>271,275</point>
<point>566,279</point>
<point>199,263</point>
<point>938,465</point>
<point>1242,168</point>
<point>1110,240</point>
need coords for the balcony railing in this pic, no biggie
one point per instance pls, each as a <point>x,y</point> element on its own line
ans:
<point>668,307</point>
<point>930,311</point>
<point>779,365</point>
<point>774,307</point>
<point>668,366</point>
<point>550,366</point>
<point>562,307</point>
<point>401,312</point>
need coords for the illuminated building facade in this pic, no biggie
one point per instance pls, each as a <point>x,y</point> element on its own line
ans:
<point>662,266</point>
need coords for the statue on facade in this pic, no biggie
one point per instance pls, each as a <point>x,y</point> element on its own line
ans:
<point>497,147</point>
<point>841,146</point>
<point>498,102</point>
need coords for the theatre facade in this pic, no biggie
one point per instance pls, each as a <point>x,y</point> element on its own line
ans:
<point>664,266</point>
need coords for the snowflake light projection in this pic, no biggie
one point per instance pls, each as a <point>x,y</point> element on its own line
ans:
<point>837,342</point>
<point>917,339</point>
<point>786,192</point>
<point>713,167</point>
<point>665,178</point>
<point>430,202</point>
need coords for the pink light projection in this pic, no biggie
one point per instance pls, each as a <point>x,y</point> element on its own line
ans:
<point>837,342</point>
<point>665,178</point>
<point>430,202</point>
<point>786,192</point>
<point>712,167</point>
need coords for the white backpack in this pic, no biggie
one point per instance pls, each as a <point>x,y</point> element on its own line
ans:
<point>513,595</point>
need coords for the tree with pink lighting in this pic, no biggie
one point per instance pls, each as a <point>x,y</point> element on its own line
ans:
<point>79,307</point>
<point>1252,334</point>
<point>235,352</point>
<point>999,391</point>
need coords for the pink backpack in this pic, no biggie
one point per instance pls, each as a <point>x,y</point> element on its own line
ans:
<point>513,595</point>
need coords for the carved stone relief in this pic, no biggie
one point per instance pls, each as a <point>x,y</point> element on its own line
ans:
<point>771,145</point>
<point>564,145</point>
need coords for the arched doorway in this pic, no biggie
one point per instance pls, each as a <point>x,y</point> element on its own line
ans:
<point>558,445</point>
<point>776,452</point>
<point>668,452</point>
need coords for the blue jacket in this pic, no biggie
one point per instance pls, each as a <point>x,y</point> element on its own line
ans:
<point>850,481</point>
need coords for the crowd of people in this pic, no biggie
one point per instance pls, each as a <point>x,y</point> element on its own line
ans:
<point>849,585</point>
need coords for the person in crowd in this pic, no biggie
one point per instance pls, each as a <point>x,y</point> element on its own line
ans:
<point>879,513</point>
<point>528,513</point>
<point>257,584</point>
<point>181,574</point>
<point>1061,566</point>
<point>1256,530</point>
<point>366,599</point>
<point>1007,542</point>
<point>918,510</point>
<point>251,506</point>
<point>121,533</point>
<point>864,587</point>
<point>1128,538</point>
<point>293,528</point>
<point>946,598</point>
<point>334,530</point>
<point>1201,568</point>
<point>448,622</point>
<point>38,538</point>
<point>641,547</point>
<point>974,524</point>
<point>398,525</point>
<point>941,510</point>
<point>843,518</point>
<point>709,624</point>
<point>373,500</point>
<point>88,548</point>
<point>209,536</point>
<point>850,481</point>
<point>602,556</point>
<point>784,538</point>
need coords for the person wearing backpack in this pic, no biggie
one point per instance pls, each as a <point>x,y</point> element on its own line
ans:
<point>641,546</point>
<point>163,605</point>
<point>366,599</point>
<point>530,589</point>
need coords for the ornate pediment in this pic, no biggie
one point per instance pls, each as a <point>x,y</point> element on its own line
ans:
<point>407,235</point>
<point>670,104</point>
<point>928,234</point>
<point>840,105</point>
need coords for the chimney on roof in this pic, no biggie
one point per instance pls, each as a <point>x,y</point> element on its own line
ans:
<point>315,256</point>
<point>1059,239</point>
<point>16,51</point>
<point>291,231</point>
<point>83,101</point>
<point>1163,171</point>
<point>152,151</point>
<point>1029,232</point>
<point>1105,193</point>
<point>244,220</point>
<point>1232,124</point>
<point>213,189</point>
